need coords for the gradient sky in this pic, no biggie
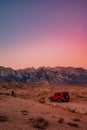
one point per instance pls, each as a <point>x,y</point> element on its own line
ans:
<point>36,33</point>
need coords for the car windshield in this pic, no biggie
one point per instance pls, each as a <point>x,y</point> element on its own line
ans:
<point>57,94</point>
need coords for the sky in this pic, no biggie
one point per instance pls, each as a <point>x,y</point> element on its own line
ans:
<point>35,33</point>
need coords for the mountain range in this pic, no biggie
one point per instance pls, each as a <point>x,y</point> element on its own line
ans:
<point>45,75</point>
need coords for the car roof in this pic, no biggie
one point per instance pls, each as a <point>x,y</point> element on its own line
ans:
<point>60,92</point>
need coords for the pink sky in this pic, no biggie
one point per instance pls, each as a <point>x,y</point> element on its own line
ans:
<point>43,33</point>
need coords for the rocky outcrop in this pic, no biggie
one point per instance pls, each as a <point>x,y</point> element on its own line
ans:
<point>45,75</point>
<point>74,107</point>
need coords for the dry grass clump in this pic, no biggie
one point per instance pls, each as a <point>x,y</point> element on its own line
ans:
<point>61,120</point>
<point>3,118</point>
<point>72,124</point>
<point>39,123</point>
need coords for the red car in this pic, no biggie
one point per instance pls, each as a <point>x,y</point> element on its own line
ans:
<point>60,97</point>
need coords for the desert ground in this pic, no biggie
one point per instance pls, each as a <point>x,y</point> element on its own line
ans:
<point>29,108</point>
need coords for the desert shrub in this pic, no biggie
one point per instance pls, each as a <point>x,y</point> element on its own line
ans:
<point>1,93</point>
<point>24,112</point>
<point>7,94</point>
<point>72,124</point>
<point>61,120</point>
<point>3,118</point>
<point>39,123</point>
<point>42,100</point>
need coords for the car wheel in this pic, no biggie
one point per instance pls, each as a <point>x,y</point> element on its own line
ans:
<point>60,100</point>
<point>51,100</point>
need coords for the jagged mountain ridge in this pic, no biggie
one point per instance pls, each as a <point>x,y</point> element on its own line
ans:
<point>49,75</point>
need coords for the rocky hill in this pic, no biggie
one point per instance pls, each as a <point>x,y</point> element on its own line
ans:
<point>45,75</point>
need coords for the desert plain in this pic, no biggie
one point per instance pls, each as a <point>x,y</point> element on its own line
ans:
<point>27,107</point>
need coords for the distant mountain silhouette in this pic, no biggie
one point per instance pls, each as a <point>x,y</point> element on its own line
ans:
<point>53,76</point>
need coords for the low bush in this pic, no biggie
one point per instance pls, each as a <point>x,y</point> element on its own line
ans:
<point>61,120</point>
<point>72,124</point>
<point>39,123</point>
<point>3,118</point>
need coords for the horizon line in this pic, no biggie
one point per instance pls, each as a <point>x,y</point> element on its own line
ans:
<point>43,67</point>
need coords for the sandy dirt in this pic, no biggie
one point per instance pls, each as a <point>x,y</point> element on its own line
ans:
<point>23,109</point>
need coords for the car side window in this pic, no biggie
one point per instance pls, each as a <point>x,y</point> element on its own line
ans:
<point>59,94</point>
